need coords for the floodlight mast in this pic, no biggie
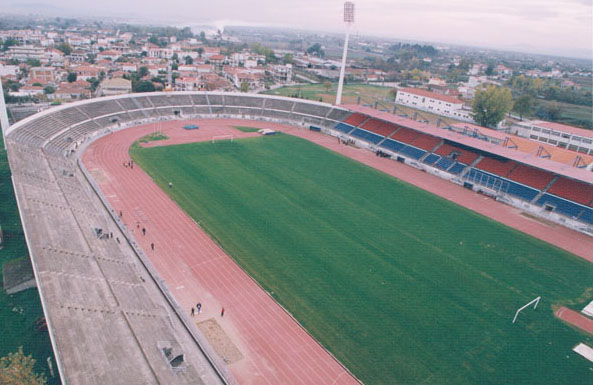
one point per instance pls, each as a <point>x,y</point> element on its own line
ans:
<point>3,115</point>
<point>348,20</point>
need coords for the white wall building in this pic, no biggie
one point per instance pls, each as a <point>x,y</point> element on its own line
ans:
<point>561,135</point>
<point>432,102</point>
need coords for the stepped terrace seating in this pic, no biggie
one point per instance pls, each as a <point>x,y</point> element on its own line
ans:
<point>310,109</point>
<point>500,167</point>
<point>273,104</point>
<point>379,127</point>
<point>200,100</point>
<point>239,101</point>
<point>367,136</point>
<point>579,192</point>
<point>216,100</point>
<point>355,119</point>
<point>97,109</point>
<point>431,159</point>
<point>345,128</point>
<point>501,184</point>
<point>392,145</point>
<point>413,152</point>
<point>461,154</point>
<point>530,176</point>
<point>405,135</point>
<point>338,114</point>
<point>171,100</point>
<point>127,104</point>
<point>444,163</point>
<point>69,116</point>
<point>457,168</point>
<point>568,208</point>
<point>142,102</point>
<point>426,142</point>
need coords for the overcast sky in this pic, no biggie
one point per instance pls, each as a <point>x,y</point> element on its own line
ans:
<point>563,27</point>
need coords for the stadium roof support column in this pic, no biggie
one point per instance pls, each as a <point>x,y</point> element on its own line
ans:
<point>348,19</point>
<point>3,115</point>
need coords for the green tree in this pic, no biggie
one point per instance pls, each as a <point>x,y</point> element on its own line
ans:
<point>72,77</point>
<point>522,105</point>
<point>144,86</point>
<point>491,105</point>
<point>327,85</point>
<point>65,48</point>
<point>490,69</point>
<point>9,43</point>
<point>49,90</point>
<point>189,60</point>
<point>142,72</point>
<point>316,49</point>
<point>393,93</point>
<point>17,369</point>
<point>288,58</point>
<point>34,63</point>
<point>200,51</point>
<point>244,87</point>
<point>154,40</point>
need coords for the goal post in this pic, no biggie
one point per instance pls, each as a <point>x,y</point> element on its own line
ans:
<point>534,302</point>
<point>219,138</point>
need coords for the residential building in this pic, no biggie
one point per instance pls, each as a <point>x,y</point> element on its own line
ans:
<point>432,102</point>
<point>561,135</point>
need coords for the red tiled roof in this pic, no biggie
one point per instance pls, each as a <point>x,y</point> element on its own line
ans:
<point>433,95</point>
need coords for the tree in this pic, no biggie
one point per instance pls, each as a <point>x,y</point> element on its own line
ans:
<point>491,105</point>
<point>316,49</point>
<point>144,86</point>
<point>200,51</point>
<point>65,48</point>
<point>154,40</point>
<point>189,60</point>
<point>17,369</point>
<point>9,43</point>
<point>288,59</point>
<point>49,90</point>
<point>393,93</point>
<point>34,63</point>
<point>490,69</point>
<point>142,72</point>
<point>71,77</point>
<point>327,85</point>
<point>522,105</point>
<point>244,87</point>
<point>202,35</point>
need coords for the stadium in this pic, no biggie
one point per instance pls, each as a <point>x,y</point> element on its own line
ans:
<point>379,249</point>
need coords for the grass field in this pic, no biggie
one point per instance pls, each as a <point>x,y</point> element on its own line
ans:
<point>402,286</point>
<point>18,312</point>
<point>247,129</point>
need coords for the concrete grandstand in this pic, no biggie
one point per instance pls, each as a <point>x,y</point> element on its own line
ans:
<point>113,320</point>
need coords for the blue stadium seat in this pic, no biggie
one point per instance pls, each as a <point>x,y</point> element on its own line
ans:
<point>368,136</point>
<point>392,145</point>
<point>346,128</point>
<point>495,182</point>
<point>431,159</point>
<point>444,163</point>
<point>413,152</point>
<point>457,168</point>
<point>568,208</point>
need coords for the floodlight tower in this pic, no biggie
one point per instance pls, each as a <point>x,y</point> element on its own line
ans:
<point>348,20</point>
<point>3,115</point>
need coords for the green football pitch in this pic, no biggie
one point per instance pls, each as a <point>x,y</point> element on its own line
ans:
<point>400,285</point>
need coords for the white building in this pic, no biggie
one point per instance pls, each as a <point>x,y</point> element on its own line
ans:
<point>116,86</point>
<point>561,135</point>
<point>432,102</point>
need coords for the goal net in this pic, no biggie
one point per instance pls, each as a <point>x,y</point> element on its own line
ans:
<point>222,138</point>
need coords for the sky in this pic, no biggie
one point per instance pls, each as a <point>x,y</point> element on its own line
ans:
<point>555,27</point>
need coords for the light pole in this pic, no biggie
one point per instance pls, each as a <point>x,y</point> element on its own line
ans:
<point>349,20</point>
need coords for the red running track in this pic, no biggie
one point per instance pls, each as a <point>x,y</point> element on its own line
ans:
<point>276,349</point>
<point>576,319</point>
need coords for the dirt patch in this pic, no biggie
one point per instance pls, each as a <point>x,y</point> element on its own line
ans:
<point>99,176</point>
<point>218,339</point>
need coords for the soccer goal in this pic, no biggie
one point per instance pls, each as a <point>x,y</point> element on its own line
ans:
<point>534,303</point>
<point>221,138</point>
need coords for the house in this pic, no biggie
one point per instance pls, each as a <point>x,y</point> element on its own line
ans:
<point>432,102</point>
<point>43,75</point>
<point>561,135</point>
<point>115,86</point>
<point>189,84</point>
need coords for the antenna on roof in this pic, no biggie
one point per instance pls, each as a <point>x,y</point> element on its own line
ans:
<point>348,20</point>
<point>3,115</point>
